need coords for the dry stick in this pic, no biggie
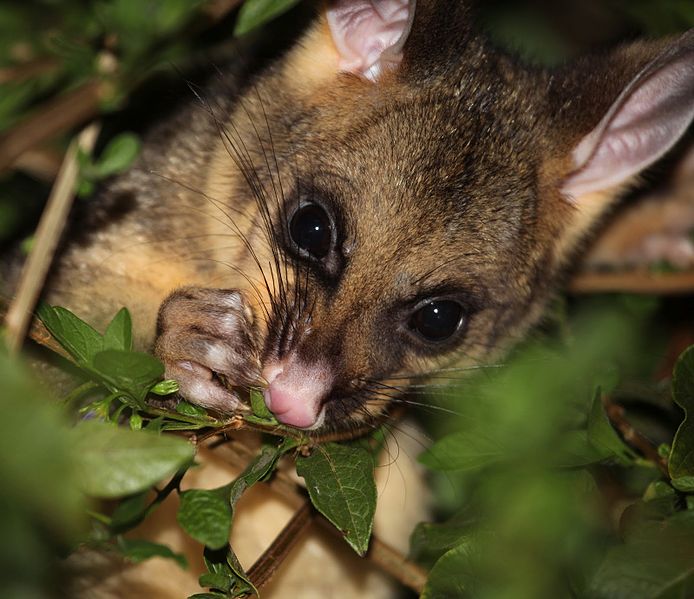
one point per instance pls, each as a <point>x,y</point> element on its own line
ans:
<point>55,116</point>
<point>634,438</point>
<point>48,235</point>
<point>268,563</point>
<point>678,283</point>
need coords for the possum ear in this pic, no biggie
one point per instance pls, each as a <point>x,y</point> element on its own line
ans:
<point>369,34</point>
<point>646,120</point>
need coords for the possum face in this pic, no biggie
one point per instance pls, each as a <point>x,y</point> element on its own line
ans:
<point>420,211</point>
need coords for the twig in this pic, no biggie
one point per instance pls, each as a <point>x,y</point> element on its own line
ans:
<point>267,564</point>
<point>55,116</point>
<point>394,563</point>
<point>389,560</point>
<point>634,438</point>
<point>47,237</point>
<point>645,282</point>
<point>216,10</point>
<point>27,70</point>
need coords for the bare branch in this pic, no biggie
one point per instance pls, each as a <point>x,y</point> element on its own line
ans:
<point>48,235</point>
<point>679,283</point>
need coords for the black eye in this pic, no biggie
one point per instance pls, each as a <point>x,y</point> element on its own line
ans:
<point>310,229</point>
<point>437,320</point>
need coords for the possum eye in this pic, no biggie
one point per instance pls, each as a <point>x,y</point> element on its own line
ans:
<point>311,230</point>
<point>437,320</point>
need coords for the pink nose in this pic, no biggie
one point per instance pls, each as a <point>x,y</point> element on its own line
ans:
<point>296,390</point>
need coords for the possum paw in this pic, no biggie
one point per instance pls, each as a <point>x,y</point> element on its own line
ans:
<point>207,341</point>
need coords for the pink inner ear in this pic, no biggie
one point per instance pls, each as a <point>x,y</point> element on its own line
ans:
<point>643,124</point>
<point>369,34</point>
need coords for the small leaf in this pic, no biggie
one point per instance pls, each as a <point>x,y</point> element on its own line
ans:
<point>112,461</point>
<point>206,516</point>
<point>463,450</point>
<point>246,585</point>
<point>259,407</point>
<point>655,562</point>
<point>429,541</point>
<point>117,156</point>
<point>681,463</point>
<point>213,580</point>
<point>165,387</point>
<point>603,437</point>
<point>575,450</point>
<point>129,512</point>
<point>135,421</point>
<point>260,468</point>
<point>119,333</point>
<point>79,339</point>
<point>188,409</point>
<point>340,482</point>
<point>133,372</point>
<point>453,574</point>
<point>139,550</point>
<point>254,13</point>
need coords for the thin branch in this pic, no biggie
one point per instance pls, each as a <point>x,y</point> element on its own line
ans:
<point>272,558</point>
<point>27,70</point>
<point>388,560</point>
<point>634,438</point>
<point>678,283</point>
<point>54,117</point>
<point>48,235</point>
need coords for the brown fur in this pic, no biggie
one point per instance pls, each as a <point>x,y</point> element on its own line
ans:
<point>456,159</point>
<point>443,178</point>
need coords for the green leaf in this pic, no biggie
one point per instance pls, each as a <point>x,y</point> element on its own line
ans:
<point>206,516</point>
<point>223,562</point>
<point>259,408</point>
<point>112,461</point>
<point>340,482</point>
<point>655,562</point>
<point>129,512</point>
<point>463,451</point>
<point>216,580</point>
<point>133,372</point>
<point>167,387</point>
<point>429,541</point>
<point>188,409</point>
<point>575,450</point>
<point>254,13</point>
<point>236,567</point>
<point>602,435</point>
<point>79,339</point>
<point>208,595</point>
<point>453,574</point>
<point>117,156</point>
<point>681,463</point>
<point>119,333</point>
<point>260,468</point>
<point>139,550</point>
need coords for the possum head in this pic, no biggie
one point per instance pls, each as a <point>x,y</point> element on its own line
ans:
<point>424,191</point>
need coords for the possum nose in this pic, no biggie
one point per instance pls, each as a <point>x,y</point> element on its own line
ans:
<point>295,392</point>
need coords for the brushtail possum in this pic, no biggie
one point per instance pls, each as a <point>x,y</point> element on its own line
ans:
<point>390,195</point>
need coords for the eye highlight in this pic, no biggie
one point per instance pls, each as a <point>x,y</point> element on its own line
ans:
<point>312,231</point>
<point>437,320</point>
